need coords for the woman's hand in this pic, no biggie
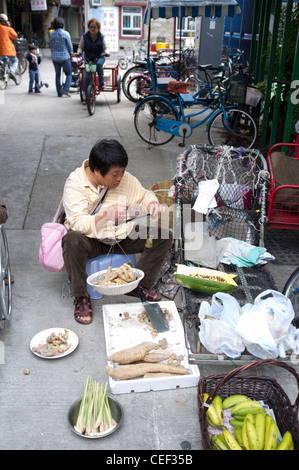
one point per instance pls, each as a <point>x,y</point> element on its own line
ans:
<point>116,214</point>
<point>155,208</point>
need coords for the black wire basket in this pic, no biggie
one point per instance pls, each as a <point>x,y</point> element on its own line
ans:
<point>236,88</point>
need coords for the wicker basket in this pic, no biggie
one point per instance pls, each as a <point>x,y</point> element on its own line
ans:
<point>161,191</point>
<point>256,387</point>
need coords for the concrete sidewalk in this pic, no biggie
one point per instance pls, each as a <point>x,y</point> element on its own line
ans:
<point>43,139</point>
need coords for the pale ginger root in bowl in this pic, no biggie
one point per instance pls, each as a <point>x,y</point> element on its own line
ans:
<point>117,276</point>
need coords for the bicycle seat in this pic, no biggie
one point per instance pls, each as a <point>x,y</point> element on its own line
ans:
<point>205,67</point>
<point>177,87</point>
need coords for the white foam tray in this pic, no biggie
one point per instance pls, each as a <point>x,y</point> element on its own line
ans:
<point>121,334</point>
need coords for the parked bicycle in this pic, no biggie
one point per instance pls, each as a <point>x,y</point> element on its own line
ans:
<point>141,68</point>
<point>138,54</point>
<point>181,65</point>
<point>140,84</point>
<point>5,280</point>
<point>232,61</point>
<point>158,119</point>
<point>21,46</point>
<point>5,74</point>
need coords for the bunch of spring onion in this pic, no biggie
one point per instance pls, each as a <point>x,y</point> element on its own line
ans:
<point>94,418</point>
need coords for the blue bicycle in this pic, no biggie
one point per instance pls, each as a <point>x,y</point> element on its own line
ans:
<point>162,115</point>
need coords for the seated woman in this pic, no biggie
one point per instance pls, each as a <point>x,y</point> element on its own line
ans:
<point>94,46</point>
<point>90,235</point>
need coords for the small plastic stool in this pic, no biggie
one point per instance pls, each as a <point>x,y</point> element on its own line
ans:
<point>103,262</point>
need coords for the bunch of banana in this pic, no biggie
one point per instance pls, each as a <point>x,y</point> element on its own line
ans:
<point>225,441</point>
<point>253,428</point>
<point>233,400</point>
<point>260,432</point>
<point>215,413</point>
<point>240,410</point>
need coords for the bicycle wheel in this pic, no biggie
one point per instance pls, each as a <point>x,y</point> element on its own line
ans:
<point>136,70</point>
<point>22,62</point>
<point>18,75</point>
<point>138,86</point>
<point>235,128</point>
<point>3,83</point>
<point>81,87</point>
<point>90,99</point>
<point>5,280</point>
<point>291,291</point>
<point>147,112</point>
<point>123,63</point>
<point>118,88</point>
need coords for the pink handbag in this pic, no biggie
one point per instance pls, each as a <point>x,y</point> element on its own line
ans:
<point>50,250</point>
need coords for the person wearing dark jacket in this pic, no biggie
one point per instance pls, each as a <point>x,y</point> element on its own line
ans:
<point>34,61</point>
<point>94,46</point>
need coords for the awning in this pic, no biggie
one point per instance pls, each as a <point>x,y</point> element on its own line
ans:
<point>194,8</point>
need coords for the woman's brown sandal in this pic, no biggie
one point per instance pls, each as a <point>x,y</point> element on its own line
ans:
<point>83,310</point>
<point>150,294</point>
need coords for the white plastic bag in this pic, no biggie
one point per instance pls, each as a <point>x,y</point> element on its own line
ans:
<point>219,336</point>
<point>264,325</point>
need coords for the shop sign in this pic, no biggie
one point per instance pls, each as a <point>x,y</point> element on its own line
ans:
<point>38,5</point>
<point>108,17</point>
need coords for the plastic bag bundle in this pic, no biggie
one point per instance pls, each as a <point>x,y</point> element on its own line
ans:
<point>217,326</point>
<point>264,325</point>
<point>263,328</point>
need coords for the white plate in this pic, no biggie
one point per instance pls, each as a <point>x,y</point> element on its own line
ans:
<point>41,338</point>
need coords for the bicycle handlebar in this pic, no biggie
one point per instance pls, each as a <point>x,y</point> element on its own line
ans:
<point>281,82</point>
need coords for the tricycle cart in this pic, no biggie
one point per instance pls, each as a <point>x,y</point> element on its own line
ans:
<point>112,79</point>
<point>112,83</point>
<point>180,9</point>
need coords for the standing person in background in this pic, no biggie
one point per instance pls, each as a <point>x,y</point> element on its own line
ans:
<point>34,61</point>
<point>94,46</point>
<point>7,48</point>
<point>61,49</point>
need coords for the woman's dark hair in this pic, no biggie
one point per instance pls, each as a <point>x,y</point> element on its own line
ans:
<point>105,154</point>
<point>58,23</point>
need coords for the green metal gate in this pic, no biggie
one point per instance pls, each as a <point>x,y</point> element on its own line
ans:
<point>272,49</point>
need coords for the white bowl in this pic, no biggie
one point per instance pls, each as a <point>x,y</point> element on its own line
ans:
<point>114,290</point>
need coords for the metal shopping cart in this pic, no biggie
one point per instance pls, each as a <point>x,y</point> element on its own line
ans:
<point>242,176</point>
<point>240,213</point>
